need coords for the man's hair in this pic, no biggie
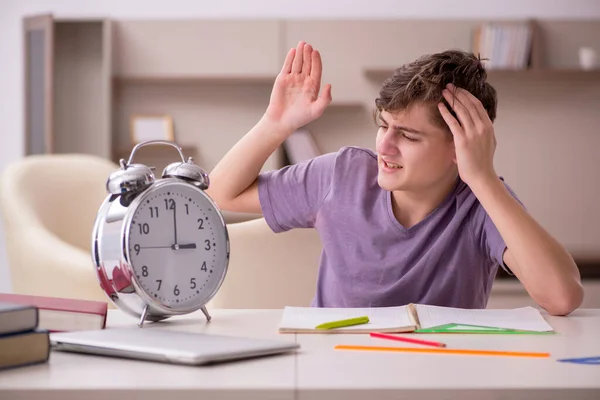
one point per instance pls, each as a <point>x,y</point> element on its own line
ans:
<point>422,82</point>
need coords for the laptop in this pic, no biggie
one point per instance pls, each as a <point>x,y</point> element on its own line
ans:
<point>167,346</point>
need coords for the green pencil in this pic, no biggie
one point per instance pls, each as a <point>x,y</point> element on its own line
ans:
<point>343,323</point>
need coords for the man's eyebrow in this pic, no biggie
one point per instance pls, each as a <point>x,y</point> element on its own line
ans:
<point>401,127</point>
<point>407,129</point>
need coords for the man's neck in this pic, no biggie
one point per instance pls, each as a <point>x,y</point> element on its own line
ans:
<point>412,207</point>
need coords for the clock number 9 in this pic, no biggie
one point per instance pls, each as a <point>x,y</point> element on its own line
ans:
<point>137,249</point>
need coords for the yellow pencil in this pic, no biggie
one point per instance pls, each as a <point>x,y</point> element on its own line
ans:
<point>443,351</point>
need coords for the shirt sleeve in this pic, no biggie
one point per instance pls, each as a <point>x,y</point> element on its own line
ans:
<point>487,235</point>
<point>291,196</point>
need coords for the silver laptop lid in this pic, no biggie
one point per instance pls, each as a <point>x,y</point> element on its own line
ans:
<point>166,345</point>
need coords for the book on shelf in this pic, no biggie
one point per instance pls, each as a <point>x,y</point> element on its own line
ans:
<point>300,146</point>
<point>504,45</point>
<point>57,314</point>
<point>416,318</point>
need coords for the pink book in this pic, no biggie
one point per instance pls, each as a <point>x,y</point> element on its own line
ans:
<point>58,314</point>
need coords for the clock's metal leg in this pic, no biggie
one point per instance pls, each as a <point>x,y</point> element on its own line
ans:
<point>206,314</point>
<point>143,316</point>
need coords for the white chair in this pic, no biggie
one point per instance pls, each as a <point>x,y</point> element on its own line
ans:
<point>49,202</point>
<point>48,205</point>
<point>267,269</point>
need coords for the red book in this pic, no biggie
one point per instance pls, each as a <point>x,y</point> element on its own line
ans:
<point>58,314</point>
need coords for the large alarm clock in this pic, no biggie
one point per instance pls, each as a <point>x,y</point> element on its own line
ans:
<point>160,246</point>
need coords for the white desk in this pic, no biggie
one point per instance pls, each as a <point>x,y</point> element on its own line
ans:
<point>317,371</point>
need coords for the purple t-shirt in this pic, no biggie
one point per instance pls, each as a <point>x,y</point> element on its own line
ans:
<point>369,259</point>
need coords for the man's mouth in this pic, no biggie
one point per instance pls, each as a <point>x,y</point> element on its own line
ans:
<point>390,165</point>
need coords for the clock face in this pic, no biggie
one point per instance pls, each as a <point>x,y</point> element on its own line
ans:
<point>177,246</point>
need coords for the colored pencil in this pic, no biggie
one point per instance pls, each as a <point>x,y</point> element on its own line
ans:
<point>343,323</point>
<point>406,339</point>
<point>443,351</point>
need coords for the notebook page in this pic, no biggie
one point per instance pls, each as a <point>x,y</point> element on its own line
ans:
<point>524,318</point>
<point>310,317</point>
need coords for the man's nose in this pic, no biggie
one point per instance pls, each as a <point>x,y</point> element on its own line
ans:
<point>387,145</point>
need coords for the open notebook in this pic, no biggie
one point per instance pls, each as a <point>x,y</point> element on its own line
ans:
<point>416,317</point>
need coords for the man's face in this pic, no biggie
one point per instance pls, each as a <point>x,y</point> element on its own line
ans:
<point>413,153</point>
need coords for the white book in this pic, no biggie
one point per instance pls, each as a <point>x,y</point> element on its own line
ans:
<point>412,317</point>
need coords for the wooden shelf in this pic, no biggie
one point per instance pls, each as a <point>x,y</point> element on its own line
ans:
<point>347,103</point>
<point>201,79</point>
<point>558,73</point>
<point>156,151</point>
<point>566,73</point>
<point>379,73</point>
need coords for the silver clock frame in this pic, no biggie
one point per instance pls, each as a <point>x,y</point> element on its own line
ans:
<point>110,237</point>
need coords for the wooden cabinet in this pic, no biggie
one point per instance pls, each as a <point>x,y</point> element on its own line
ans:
<point>198,49</point>
<point>67,86</point>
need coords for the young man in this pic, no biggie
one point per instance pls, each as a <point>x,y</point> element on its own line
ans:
<point>425,219</point>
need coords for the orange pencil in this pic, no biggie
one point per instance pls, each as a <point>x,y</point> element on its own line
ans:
<point>443,351</point>
<point>405,339</point>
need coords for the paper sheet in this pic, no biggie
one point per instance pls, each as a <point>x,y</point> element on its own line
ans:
<point>525,318</point>
<point>310,317</point>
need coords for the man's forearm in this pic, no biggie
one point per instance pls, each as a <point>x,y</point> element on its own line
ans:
<point>541,263</point>
<point>240,167</point>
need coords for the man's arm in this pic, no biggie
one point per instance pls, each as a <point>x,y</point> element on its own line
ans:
<point>539,261</point>
<point>295,101</point>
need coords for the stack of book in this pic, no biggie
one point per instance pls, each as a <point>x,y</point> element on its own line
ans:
<point>26,322</point>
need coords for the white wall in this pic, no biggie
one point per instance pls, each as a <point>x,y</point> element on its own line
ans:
<point>12,12</point>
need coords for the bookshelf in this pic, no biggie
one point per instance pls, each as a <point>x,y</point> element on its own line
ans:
<point>379,74</point>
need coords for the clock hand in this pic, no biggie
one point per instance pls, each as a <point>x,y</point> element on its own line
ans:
<point>175,222</point>
<point>184,246</point>
<point>156,247</point>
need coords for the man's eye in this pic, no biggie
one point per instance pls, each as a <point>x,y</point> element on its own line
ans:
<point>409,138</point>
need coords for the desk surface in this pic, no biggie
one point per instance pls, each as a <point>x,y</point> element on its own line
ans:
<point>317,371</point>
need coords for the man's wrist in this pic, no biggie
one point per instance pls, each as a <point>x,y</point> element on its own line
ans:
<point>275,128</point>
<point>486,185</point>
